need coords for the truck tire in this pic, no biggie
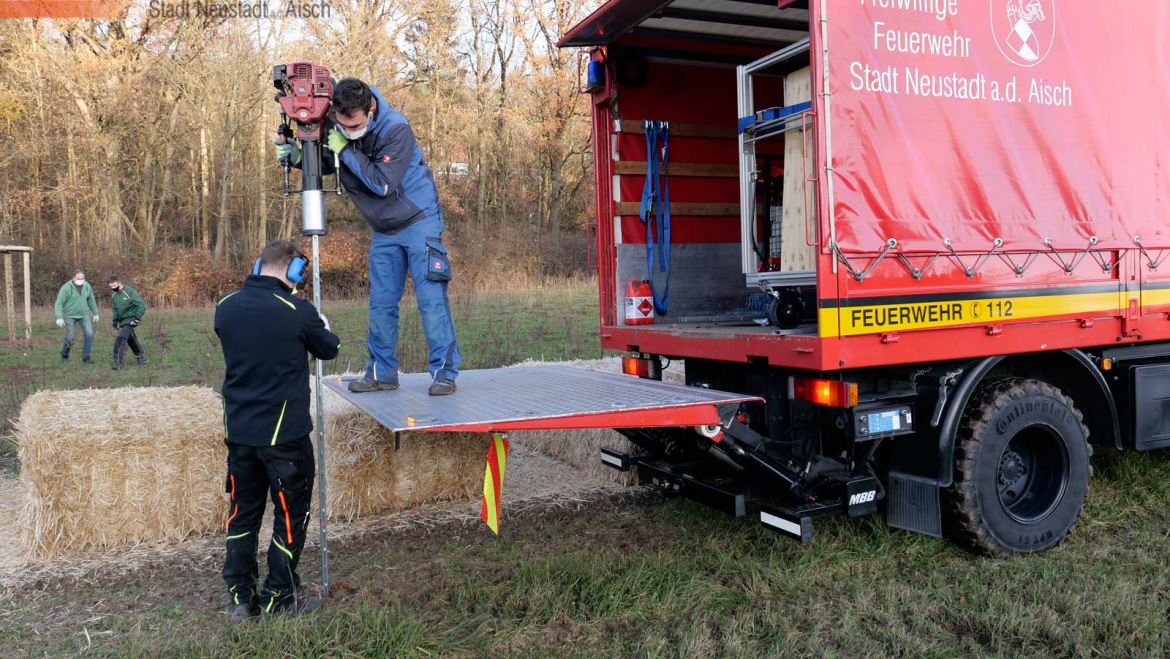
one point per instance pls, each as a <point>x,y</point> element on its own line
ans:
<point>1021,469</point>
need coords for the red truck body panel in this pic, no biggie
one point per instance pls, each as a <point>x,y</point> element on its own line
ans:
<point>1041,197</point>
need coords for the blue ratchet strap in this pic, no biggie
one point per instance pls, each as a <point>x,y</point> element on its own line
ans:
<point>655,208</point>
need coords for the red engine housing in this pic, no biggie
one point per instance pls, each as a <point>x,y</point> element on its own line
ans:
<point>306,90</point>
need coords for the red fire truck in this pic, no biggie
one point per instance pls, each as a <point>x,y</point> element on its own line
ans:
<point>924,236</point>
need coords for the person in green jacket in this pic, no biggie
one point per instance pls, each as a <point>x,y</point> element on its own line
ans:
<point>74,302</point>
<point>128,311</point>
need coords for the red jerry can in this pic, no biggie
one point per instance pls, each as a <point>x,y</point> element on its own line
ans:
<point>639,303</point>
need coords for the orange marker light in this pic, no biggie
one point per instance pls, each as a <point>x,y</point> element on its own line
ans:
<point>830,393</point>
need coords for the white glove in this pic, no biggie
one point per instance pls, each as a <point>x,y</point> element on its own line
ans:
<point>60,322</point>
<point>95,318</point>
<point>324,319</point>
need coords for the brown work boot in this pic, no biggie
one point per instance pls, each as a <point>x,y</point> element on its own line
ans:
<point>365,385</point>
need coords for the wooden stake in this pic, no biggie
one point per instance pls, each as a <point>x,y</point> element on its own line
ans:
<point>8,301</point>
<point>27,298</point>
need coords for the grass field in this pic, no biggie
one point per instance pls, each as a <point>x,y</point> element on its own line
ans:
<point>635,577</point>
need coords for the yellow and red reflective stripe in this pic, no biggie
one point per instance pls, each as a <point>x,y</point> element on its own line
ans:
<point>493,482</point>
<point>287,520</point>
<point>232,478</point>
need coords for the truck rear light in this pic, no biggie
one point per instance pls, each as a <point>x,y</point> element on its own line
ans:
<point>830,393</point>
<point>643,367</point>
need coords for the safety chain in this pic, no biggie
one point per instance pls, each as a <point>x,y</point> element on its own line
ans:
<point>1017,267</point>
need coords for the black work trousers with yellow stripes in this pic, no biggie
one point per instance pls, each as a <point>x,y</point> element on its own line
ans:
<point>284,472</point>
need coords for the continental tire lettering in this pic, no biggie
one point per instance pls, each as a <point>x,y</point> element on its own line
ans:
<point>1020,409</point>
<point>906,316</point>
<point>1030,540</point>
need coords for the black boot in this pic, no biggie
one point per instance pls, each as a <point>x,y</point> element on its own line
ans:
<point>141,360</point>
<point>290,606</point>
<point>243,607</point>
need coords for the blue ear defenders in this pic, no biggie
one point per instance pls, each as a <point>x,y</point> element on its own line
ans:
<point>296,268</point>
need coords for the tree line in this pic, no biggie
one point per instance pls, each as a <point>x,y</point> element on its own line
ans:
<point>140,134</point>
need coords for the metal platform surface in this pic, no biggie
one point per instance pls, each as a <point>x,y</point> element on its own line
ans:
<point>539,398</point>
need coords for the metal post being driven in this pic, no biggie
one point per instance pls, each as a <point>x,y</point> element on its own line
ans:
<point>313,224</point>
<point>320,434</point>
<point>304,91</point>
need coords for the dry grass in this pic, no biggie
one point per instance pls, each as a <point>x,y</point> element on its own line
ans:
<point>534,482</point>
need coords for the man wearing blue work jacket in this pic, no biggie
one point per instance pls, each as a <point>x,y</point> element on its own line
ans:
<point>383,171</point>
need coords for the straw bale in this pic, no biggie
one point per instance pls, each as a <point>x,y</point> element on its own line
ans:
<point>105,468</point>
<point>114,468</point>
<point>365,474</point>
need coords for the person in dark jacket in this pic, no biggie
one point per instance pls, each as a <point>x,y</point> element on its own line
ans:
<point>265,332</point>
<point>128,312</point>
<point>383,171</point>
<point>75,301</point>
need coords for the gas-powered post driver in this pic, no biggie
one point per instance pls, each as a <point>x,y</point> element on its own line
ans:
<point>305,91</point>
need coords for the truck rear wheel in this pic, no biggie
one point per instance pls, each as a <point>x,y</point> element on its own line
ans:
<point>1021,469</point>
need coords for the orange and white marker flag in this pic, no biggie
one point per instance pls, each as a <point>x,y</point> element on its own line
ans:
<point>493,482</point>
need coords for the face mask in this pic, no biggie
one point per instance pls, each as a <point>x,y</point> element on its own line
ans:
<point>79,282</point>
<point>356,135</point>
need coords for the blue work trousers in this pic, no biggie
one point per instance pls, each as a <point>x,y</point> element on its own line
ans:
<point>391,255</point>
<point>71,332</point>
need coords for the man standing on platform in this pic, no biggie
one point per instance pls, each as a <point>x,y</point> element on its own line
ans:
<point>386,177</point>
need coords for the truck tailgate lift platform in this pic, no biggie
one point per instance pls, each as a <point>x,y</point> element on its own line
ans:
<point>542,398</point>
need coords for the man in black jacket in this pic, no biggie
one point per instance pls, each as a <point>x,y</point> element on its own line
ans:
<point>266,332</point>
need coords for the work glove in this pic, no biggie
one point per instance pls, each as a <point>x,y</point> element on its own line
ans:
<point>134,321</point>
<point>114,322</point>
<point>288,152</point>
<point>95,318</point>
<point>336,141</point>
<point>324,319</point>
<point>60,322</point>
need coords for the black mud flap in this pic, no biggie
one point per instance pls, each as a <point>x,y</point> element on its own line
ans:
<point>913,504</point>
